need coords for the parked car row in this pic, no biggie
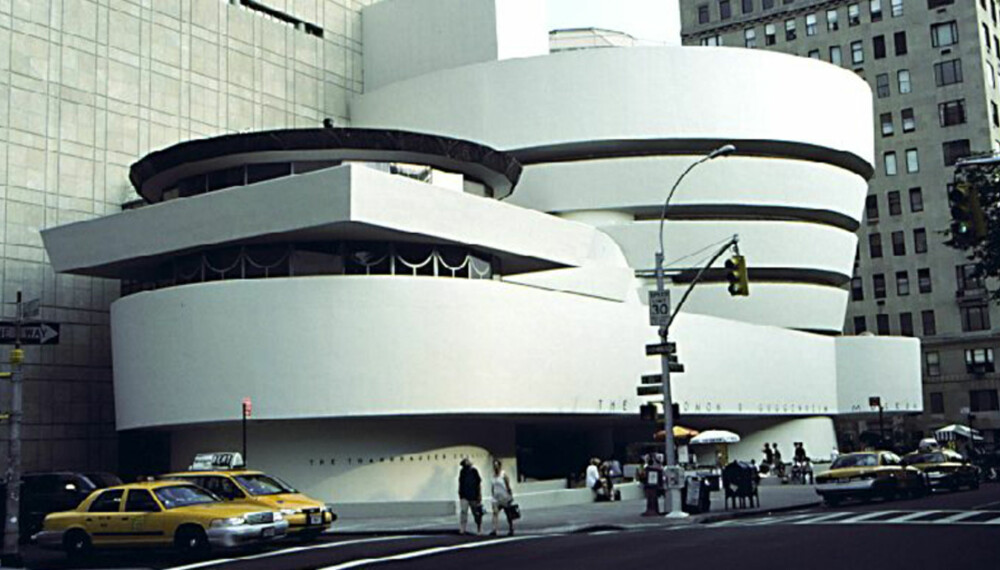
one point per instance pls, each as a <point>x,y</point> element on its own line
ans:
<point>885,475</point>
<point>218,503</point>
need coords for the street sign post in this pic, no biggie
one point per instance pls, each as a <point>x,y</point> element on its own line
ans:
<point>31,333</point>
<point>659,308</point>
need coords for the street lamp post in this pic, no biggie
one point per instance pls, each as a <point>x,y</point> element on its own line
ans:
<point>674,480</point>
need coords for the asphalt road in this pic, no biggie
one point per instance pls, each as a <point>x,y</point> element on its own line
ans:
<point>943,531</point>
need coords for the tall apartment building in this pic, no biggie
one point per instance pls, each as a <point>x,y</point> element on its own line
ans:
<point>932,67</point>
<point>87,87</point>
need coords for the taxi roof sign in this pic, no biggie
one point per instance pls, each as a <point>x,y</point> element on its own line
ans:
<point>217,461</point>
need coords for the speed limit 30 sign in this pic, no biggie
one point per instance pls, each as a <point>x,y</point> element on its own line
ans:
<point>659,308</point>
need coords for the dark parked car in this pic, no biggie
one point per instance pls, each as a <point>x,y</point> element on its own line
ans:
<point>44,493</point>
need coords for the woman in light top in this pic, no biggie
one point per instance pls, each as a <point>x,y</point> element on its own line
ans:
<point>503,497</point>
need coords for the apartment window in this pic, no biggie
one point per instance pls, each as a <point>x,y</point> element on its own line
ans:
<point>948,72</point>
<point>993,114</point>
<point>975,318</point>
<point>978,361</point>
<point>875,9</point>
<point>878,47</point>
<point>810,24</point>
<point>860,325</point>
<point>725,10</point>
<point>703,17</point>
<point>878,285</point>
<point>984,400</point>
<point>853,14</point>
<point>750,37</point>
<point>954,150</point>
<point>747,6</point>
<point>889,162</point>
<point>835,55</point>
<point>903,79</point>
<point>895,206</point>
<point>898,243</point>
<point>909,122</point>
<point>882,85</point>
<point>886,120</point>
<point>928,323</point>
<point>857,289</point>
<point>899,40</point>
<point>896,8</point>
<point>789,30</point>
<point>924,280</point>
<point>906,324</point>
<point>952,112</point>
<point>769,35</point>
<point>932,360</point>
<point>920,240</point>
<point>814,54</point>
<point>902,283</point>
<point>875,245</point>
<point>832,24</point>
<point>946,34</point>
<point>916,200</point>
<point>871,207</point>
<point>882,324</point>
<point>857,52</point>
<point>968,277</point>
<point>912,160</point>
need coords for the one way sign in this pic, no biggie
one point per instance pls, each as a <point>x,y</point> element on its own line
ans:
<point>31,333</point>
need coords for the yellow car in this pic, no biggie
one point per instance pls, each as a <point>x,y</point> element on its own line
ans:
<point>160,513</point>
<point>869,474</point>
<point>306,517</point>
<point>944,469</point>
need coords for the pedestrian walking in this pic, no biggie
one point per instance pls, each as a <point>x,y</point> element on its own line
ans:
<point>503,498</point>
<point>470,496</point>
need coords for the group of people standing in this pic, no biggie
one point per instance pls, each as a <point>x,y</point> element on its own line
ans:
<point>471,498</point>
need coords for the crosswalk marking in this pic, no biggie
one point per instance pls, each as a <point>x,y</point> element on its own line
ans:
<point>888,517</point>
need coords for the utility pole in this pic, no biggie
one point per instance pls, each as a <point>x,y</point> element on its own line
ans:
<point>11,554</point>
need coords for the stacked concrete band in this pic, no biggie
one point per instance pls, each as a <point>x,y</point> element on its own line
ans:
<point>370,387</point>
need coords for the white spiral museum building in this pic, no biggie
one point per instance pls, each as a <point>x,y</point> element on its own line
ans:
<point>463,270</point>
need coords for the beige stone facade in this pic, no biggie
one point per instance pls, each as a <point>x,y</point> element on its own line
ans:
<point>906,50</point>
<point>89,86</point>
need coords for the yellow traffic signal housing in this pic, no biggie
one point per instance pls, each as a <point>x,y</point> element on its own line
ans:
<point>736,274</point>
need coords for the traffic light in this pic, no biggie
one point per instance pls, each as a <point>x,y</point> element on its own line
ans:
<point>968,224</point>
<point>736,274</point>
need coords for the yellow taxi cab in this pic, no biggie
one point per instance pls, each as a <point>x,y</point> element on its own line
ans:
<point>159,513</point>
<point>869,474</point>
<point>225,475</point>
<point>944,468</point>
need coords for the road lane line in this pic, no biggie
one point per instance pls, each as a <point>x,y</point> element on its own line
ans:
<point>909,517</point>
<point>956,517</point>
<point>821,518</point>
<point>864,516</point>
<point>425,552</point>
<point>289,550</point>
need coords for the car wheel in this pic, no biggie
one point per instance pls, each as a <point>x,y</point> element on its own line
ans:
<point>77,544</point>
<point>191,541</point>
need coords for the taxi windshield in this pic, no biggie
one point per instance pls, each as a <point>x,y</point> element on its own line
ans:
<point>858,460</point>
<point>935,457</point>
<point>183,496</point>
<point>263,485</point>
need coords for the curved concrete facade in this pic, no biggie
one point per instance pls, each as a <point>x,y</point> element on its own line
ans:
<point>798,177</point>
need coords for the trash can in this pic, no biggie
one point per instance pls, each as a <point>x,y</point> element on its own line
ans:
<point>696,496</point>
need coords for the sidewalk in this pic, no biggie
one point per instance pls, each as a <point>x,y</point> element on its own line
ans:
<point>591,516</point>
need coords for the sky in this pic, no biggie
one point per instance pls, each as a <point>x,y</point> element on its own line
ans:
<point>656,20</point>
